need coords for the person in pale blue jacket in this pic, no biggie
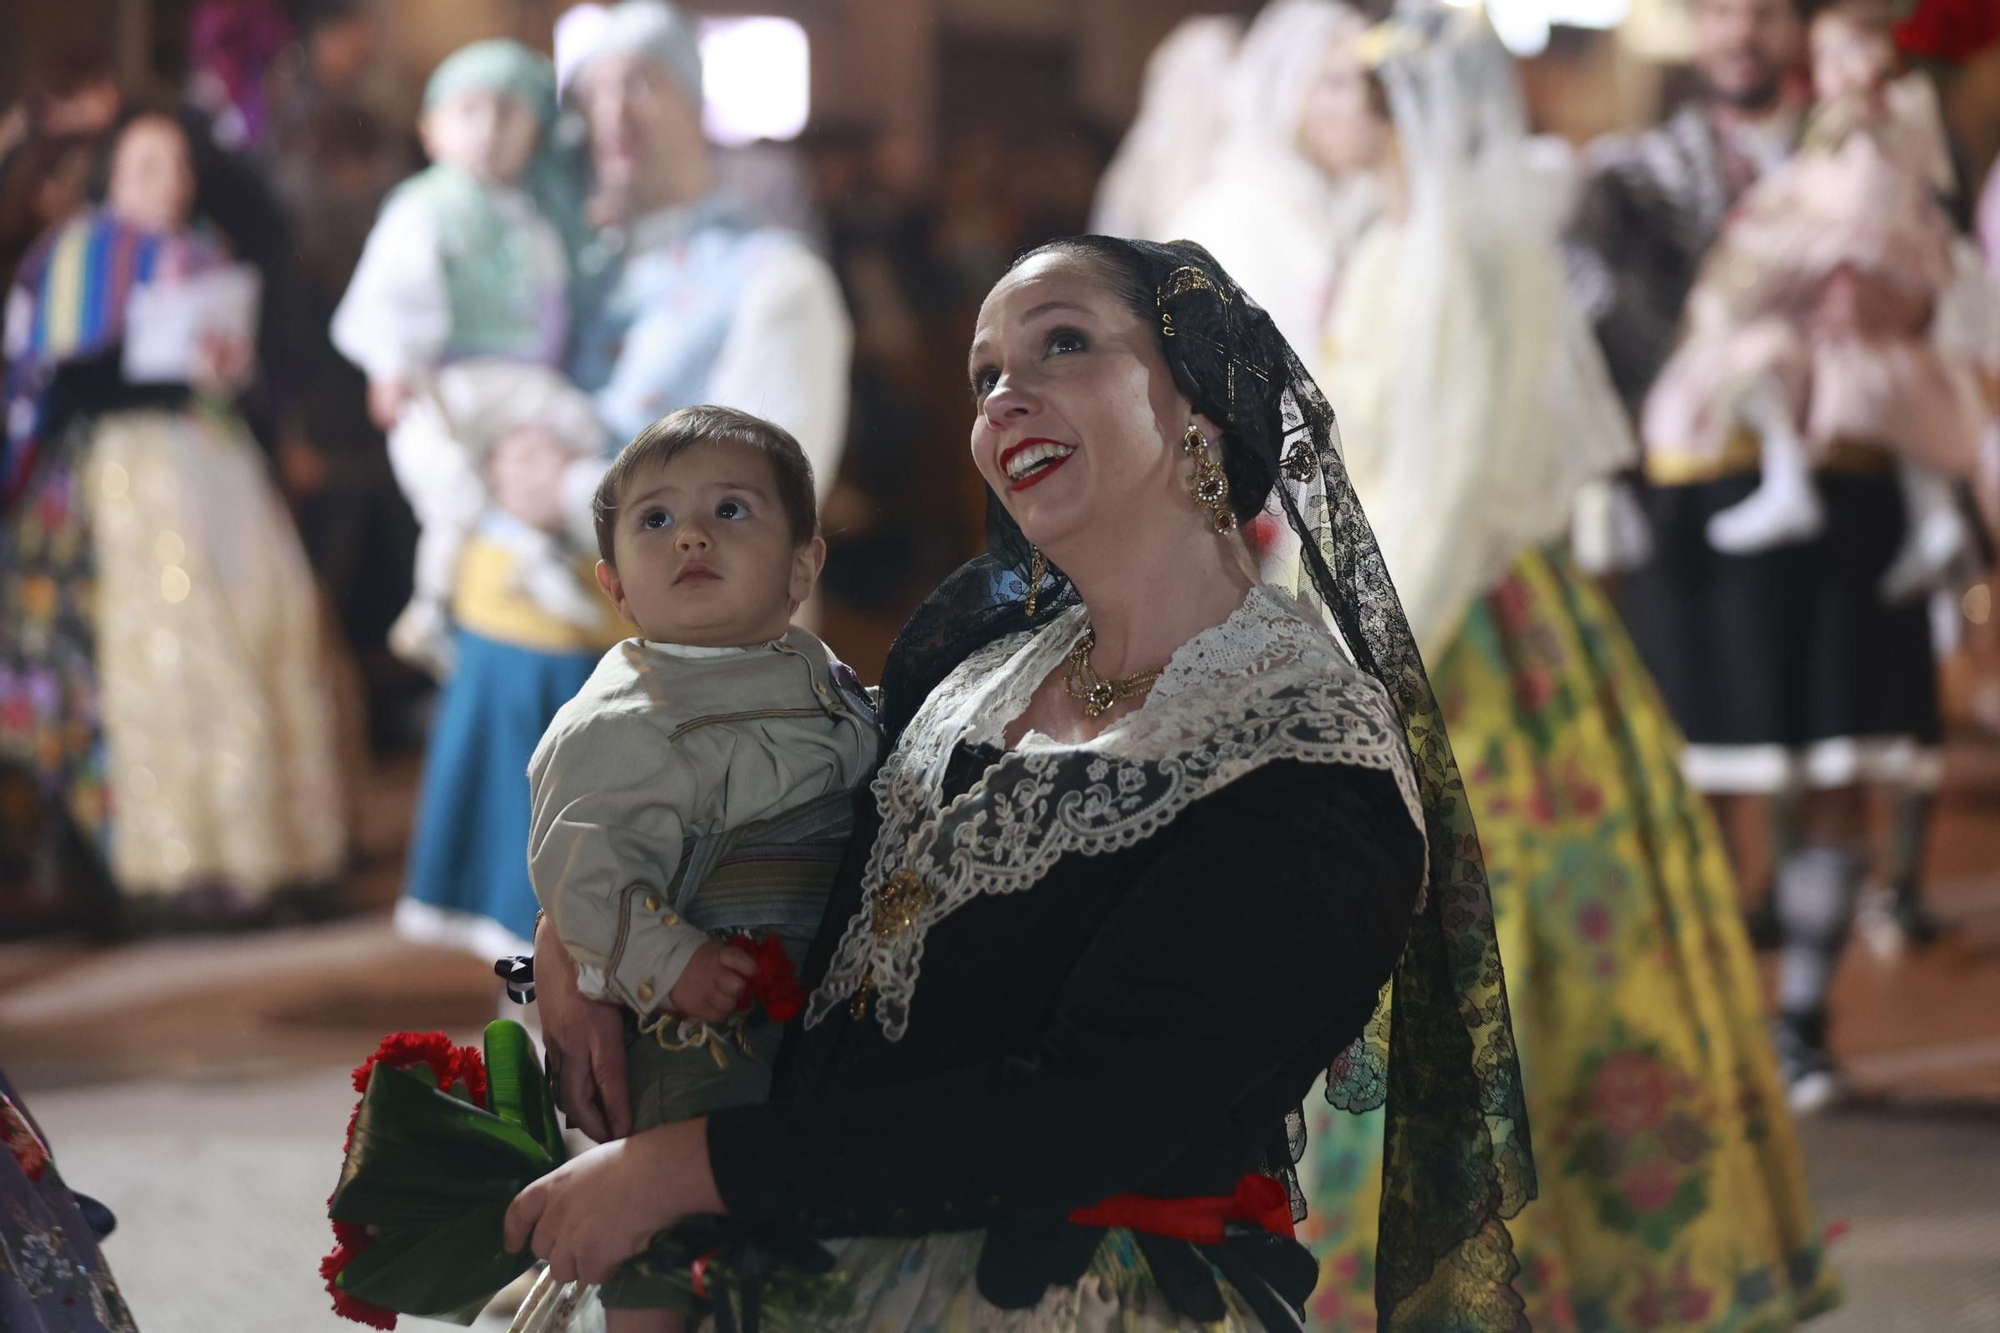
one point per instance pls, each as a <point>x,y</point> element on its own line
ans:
<point>680,299</point>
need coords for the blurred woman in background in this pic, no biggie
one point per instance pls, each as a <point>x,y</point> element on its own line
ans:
<point>1475,410</point>
<point>166,714</point>
<point>1170,148</point>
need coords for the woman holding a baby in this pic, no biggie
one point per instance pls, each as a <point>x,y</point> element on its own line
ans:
<point>512,341</point>
<point>1150,847</point>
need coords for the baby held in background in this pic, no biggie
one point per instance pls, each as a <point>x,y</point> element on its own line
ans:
<point>440,446</point>
<point>699,788</point>
<point>1813,324</point>
<point>461,296</point>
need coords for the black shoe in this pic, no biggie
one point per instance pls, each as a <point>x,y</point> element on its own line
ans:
<point>1811,1081</point>
<point>95,1215</point>
<point>1914,920</point>
<point>1895,922</point>
<point>1761,920</point>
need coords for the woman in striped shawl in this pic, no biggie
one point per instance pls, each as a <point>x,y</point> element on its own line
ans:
<point>165,710</point>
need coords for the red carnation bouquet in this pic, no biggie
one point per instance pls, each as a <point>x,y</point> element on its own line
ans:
<point>441,1142</point>
<point>443,1139</point>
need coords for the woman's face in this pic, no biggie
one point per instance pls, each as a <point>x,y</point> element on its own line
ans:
<point>1339,128</point>
<point>1078,421</point>
<point>152,183</point>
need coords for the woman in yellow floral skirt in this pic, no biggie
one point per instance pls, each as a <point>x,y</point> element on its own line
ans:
<point>1474,411</point>
<point>1673,1195</point>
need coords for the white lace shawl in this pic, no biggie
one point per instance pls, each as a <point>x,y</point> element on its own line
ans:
<point>1269,683</point>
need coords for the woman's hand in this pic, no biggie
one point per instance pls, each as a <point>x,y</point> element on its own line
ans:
<point>526,472</point>
<point>598,1210</point>
<point>222,364</point>
<point>586,1044</point>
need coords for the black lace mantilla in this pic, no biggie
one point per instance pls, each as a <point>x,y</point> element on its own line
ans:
<point>1440,1049</point>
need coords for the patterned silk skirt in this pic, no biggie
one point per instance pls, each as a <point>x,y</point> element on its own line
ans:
<point>929,1285</point>
<point>1673,1192</point>
<point>53,1278</point>
<point>166,684</point>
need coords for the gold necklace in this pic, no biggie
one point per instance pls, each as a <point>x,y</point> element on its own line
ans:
<point>1098,695</point>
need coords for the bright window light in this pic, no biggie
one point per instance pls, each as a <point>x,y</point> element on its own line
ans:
<point>756,79</point>
<point>1523,25</point>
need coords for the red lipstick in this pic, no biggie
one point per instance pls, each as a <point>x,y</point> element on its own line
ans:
<point>1044,471</point>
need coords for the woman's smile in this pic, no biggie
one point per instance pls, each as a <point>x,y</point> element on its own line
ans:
<point>1029,462</point>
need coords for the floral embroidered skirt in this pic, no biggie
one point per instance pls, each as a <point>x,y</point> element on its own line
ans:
<point>52,1277</point>
<point>929,1285</point>
<point>1673,1192</point>
<point>165,682</point>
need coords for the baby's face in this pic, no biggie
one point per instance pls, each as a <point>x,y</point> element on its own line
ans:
<point>152,182</point>
<point>705,551</point>
<point>1847,59</point>
<point>488,134</point>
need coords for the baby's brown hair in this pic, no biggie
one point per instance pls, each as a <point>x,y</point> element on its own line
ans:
<point>677,432</point>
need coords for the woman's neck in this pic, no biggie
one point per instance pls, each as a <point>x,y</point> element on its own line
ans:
<point>1147,598</point>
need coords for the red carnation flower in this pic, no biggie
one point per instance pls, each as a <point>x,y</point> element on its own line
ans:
<point>776,985</point>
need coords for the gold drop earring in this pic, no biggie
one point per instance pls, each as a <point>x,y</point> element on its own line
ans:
<point>1210,486</point>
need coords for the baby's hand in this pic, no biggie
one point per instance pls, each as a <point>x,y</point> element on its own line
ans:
<point>386,401</point>
<point>714,981</point>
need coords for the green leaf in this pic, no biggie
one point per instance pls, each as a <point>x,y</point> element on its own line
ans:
<point>423,1156</point>
<point>437,1271</point>
<point>519,1092</point>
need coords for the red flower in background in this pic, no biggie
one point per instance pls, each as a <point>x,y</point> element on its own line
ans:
<point>1594,921</point>
<point>1951,31</point>
<point>1650,1186</point>
<point>1695,1305</point>
<point>449,1064</point>
<point>776,985</point>
<point>1630,1093</point>
<point>1588,798</point>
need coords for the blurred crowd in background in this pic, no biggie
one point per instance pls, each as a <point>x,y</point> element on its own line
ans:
<point>936,140</point>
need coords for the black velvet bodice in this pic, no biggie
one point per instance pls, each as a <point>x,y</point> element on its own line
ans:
<point>1140,1021</point>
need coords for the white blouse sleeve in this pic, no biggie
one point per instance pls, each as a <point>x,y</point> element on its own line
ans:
<point>609,800</point>
<point>395,318</point>
<point>786,357</point>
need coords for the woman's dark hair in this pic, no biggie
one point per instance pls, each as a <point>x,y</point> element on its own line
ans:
<point>1117,266</point>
